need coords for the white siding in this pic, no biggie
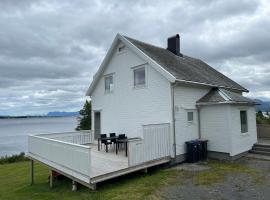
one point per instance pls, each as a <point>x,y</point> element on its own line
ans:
<point>242,142</point>
<point>215,127</point>
<point>185,100</point>
<point>220,124</point>
<point>127,109</point>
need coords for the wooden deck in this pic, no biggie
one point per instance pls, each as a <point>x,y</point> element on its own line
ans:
<point>104,163</point>
<point>76,155</point>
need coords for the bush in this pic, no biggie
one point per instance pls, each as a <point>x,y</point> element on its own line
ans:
<point>12,159</point>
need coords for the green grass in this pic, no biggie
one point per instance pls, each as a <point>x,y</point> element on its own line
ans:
<point>14,184</point>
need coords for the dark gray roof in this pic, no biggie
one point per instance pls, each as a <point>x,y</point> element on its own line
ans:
<point>212,96</point>
<point>218,95</point>
<point>186,68</point>
<point>235,97</point>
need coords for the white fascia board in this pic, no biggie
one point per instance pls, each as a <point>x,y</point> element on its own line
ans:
<point>152,62</point>
<point>102,66</point>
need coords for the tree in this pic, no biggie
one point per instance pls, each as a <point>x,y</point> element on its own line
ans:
<point>84,120</point>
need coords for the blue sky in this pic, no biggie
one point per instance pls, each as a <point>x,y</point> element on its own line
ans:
<point>49,50</point>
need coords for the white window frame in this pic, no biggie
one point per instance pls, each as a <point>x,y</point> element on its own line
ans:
<point>190,121</point>
<point>111,89</point>
<point>145,74</point>
<point>243,132</point>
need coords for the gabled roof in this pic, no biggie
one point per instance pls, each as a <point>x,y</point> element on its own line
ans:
<point>186,69</point>
<point>174,68</point>
<point>218,95</point>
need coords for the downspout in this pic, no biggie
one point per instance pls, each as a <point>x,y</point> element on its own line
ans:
<point>173,118</point>
<point>199,122</point>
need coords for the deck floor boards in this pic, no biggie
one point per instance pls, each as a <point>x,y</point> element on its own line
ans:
<point>103,162</point>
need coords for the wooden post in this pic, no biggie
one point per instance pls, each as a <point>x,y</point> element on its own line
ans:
<point>93,186</point>
<point>51,178</point>
<point>32,172</point>
<point>74,186</point>
<point>145,170</point>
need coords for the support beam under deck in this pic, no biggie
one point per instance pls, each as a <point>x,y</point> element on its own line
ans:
<point>31,172</point>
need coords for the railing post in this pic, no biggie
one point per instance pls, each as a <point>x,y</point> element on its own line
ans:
<point>32,172</point>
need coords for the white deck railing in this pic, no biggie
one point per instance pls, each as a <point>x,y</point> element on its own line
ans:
<point>154,145</point>
<point>78,137</point>
<point>64,152</point>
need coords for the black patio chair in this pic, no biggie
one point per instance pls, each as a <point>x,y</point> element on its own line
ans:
<point>113,135</point>
<point>120,137</point>
<point>105,141</point>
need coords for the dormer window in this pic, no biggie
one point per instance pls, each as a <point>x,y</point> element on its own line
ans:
<point>108,83</point>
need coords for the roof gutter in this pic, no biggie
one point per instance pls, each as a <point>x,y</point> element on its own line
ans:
<point>211,85</point>
<point>225,102</point>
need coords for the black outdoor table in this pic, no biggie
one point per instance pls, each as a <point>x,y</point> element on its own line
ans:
<point>125,141</point>
<point>106,138</point>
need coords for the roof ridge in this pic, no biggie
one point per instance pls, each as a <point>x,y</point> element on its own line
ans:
<point>127,37</point>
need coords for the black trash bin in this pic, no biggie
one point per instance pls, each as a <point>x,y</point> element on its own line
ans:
<point>200,149</point>
<point>192,151</point>
<point>203,152</point>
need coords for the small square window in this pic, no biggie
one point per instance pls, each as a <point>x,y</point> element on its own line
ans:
<point>243,119</point>
<point>108,83</point>
<point>122,48</point>
<point>190,116</point>
<point>139,77</point>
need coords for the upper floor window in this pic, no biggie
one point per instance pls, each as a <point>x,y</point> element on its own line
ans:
<point>243,119</point>
<point>108,83</point>
<point>190,116</point>
<point>139,76</point>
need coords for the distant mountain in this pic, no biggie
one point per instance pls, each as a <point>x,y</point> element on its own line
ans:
<point>264,105</point>
<point>62,114</point>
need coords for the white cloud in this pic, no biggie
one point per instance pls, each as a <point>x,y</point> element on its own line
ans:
<point>49,50</point>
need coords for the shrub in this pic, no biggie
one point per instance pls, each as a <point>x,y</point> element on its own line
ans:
<point>12,159</point>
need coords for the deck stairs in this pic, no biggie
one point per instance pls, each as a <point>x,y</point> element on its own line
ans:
<point>261,149</point>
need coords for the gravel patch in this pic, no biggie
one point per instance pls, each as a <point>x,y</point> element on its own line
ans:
<point>254,183</point>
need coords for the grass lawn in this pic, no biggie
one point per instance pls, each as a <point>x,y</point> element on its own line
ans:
<point>14,184</point>
<point>157,184</point>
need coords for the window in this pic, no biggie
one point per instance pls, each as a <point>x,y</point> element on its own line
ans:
<point>121,48</point>
<point>190,116</point>
<point>243,119</point>
<point>108,83</point>
<point>139,77</point>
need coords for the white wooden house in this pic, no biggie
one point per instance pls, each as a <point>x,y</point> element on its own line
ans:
<point>161,98</point>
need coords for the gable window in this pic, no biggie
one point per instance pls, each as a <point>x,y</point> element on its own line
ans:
<point>243,119</point>
<point>108,83</point>
<point>190,116</point>
<point>139,77</point>
<point>121,48</point>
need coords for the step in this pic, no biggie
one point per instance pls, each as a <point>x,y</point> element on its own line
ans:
<point>258,156</point>
<point>261,145</point>
<point>259,148</point>
<point>260,152</point>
